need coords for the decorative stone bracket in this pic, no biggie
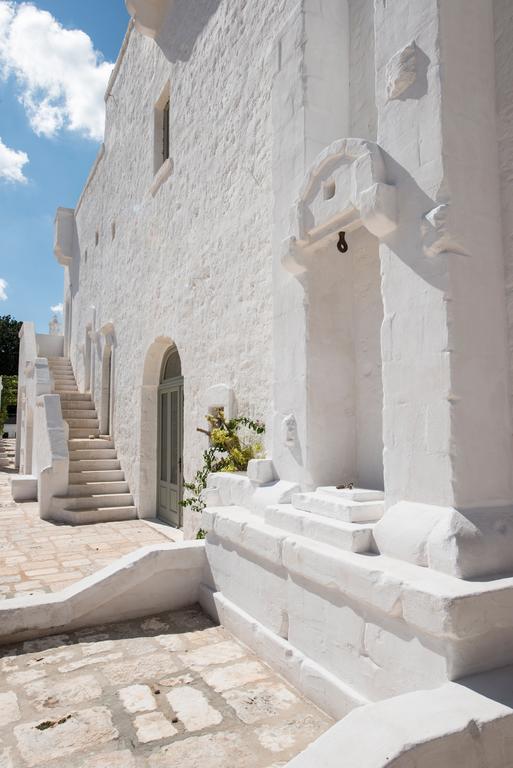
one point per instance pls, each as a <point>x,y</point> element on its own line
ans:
<point>344,189</point>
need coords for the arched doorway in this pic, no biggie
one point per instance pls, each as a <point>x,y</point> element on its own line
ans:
<point>170,438</point>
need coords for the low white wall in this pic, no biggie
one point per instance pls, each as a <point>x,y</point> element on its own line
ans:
<point>156,578</point>
<point>49,346</point>
<point>447,727</point>
<point>51,456</point>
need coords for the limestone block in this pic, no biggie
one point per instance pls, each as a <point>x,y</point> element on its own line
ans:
<point>261,471</point>
<point>466,544</point>
<point>23,487</point>
<point>401,71</point>
<point>446,726</point>
<point>378,209</point>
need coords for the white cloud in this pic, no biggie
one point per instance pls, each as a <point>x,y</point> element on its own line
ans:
<point>61,78</point>
<point>11,163</point>
<point>3,287</point>
<point>57,309</point>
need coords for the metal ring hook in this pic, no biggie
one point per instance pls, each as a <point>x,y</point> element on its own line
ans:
<point>342,245</point>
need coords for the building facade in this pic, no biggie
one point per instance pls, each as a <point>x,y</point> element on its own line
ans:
<point>302,213</point>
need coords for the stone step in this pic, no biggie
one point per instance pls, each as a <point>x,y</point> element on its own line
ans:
<point>95,443</point>
<point>92,454</point>
<point>341,504</point>
<point>95,515</point>
<point>95,476</point>
<point>78,413</point>
<point>77,432</point>
<point>82,423</point>
<point>352,537</point>
<point>96,501</point>
<point>93,465</point>
<point>107,488</point>
<point>75,397</point>
<point>62,373</point>
<point>65,389</point>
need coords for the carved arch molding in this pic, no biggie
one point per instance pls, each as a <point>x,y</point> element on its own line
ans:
<point>345,188</point>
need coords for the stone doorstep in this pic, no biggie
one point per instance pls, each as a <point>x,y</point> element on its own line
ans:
<point>437,604</point>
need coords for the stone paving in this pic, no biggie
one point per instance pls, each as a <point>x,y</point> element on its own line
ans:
<point>168,691</point>
<point>38,556</point>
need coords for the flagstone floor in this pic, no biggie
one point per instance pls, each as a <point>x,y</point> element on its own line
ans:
<point>167,691</point>
<point>37,556</point>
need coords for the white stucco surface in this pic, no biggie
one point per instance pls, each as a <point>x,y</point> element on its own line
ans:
<point>385,366</point>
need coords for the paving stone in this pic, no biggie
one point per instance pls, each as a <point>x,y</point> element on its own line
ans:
<point>9,709</point>
<point>94,646</point>
<point>89,662</point>
<point>152,727</point>
<point>215,750</point>
<point>154,625</point>
<point>137,698</point>
<point>140,670</point>
<point>121,759</point>
<point>7,758</point>
<point>235,675</point>
<point>292,736</point>
<point>192,708</point>
<point>25,676</point>
<point>162,708</point>
<point>261,701</point>
<point>47,694</point>
<point>219,653</point>
<point>41,741</point>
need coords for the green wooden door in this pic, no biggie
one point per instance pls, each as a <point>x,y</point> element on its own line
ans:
<point>170,452</point>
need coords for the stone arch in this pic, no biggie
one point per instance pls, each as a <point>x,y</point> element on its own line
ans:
<point>148,457</point>
<point>340,394</point>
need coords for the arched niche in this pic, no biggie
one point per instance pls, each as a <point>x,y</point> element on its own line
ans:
<point>340,393</point>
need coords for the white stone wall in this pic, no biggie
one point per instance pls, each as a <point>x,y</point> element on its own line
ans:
<point>192,263</point>
<point>503,16</point>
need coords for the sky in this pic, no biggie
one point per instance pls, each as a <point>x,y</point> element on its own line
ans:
<point>55,60</point>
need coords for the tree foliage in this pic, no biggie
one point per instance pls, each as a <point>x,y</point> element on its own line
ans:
<point>9,345</point>
<point>8,397</point>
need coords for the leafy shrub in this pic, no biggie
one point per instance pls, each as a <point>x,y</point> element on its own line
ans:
<point>232,445</point>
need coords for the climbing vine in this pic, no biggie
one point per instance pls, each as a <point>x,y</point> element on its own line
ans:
<point>233,444</point>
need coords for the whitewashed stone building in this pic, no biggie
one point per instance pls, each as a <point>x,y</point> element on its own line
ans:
<point>205,256</point>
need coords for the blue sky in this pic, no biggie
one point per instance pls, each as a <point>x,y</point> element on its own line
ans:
<point>54,117</point>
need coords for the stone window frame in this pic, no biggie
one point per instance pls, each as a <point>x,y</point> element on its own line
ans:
<point>162,162</point>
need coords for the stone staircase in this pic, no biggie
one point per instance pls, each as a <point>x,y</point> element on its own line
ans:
<point>342,518</point>
<point>97,491</point>
<point>7,453</point>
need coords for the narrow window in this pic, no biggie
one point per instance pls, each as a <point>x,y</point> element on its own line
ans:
<point>96,238</point>
<point>113,229</point>
<point>161,129</point>
<point>165,132</point>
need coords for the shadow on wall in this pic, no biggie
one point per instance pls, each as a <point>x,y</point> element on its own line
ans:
<point>182,27</point>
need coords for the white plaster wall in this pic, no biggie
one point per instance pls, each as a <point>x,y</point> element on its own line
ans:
<point>192,263</point>
<point>367,321</point>
<point>503,16</point>
<point>362,99</point>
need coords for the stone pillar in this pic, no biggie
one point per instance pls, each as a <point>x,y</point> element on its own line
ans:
<point>310,109</point>
<point>446,417</point>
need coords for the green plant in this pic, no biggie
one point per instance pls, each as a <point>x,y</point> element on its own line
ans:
<point>9,397</point>
<point>232,445</point>
<point>202,534</point>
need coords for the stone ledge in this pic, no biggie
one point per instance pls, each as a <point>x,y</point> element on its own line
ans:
<point>135,585</point>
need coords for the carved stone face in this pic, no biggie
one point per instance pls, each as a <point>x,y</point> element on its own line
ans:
<point>289,430</point>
